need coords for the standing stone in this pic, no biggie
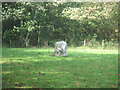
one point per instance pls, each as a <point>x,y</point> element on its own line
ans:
<point>60,48</point>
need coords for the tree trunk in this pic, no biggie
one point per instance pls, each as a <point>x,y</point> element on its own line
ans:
<point>84,42</point>
<point>46,43</point>
<point>38,37</point>
<point>102,44</point>
<point>27,40</point>
<point>10,42</point>
<point>65,39</point>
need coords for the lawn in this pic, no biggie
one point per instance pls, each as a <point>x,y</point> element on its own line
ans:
<point>37,68</point>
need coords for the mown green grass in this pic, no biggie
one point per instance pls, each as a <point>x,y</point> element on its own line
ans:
<point>37,68</point>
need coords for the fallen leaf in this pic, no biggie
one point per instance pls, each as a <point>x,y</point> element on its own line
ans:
<point>39,72</point>
<point>88,73</point>
<point>30,72</point>
<point>94,73</point>
<point>46,69</point>
<point>34,78</point>
<point>74,77</point>
<point>27,67</point>
<point>40,88</point>
<point>78,84</point>
<point>32,85</point>
<point>24,72</point>
<point>38,75</point>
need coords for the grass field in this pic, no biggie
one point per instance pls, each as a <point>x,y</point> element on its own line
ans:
<point>37,68</point>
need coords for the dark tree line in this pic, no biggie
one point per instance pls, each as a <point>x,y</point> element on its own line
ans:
<point>40,24</point>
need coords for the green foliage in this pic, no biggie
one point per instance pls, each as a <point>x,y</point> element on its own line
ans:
<point>111,45</point>
<point>93,43</point>
<point>43,23</point>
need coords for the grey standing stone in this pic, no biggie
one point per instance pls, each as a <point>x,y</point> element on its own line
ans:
<point>60,48</point>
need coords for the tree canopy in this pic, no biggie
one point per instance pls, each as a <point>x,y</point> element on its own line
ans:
<point>27,24</point>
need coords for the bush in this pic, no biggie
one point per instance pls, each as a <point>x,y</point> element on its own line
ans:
<point>111,44</point>
<point>4,45</point>
<point>93,44</point>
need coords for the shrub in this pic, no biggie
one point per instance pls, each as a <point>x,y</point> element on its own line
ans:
<point>111,44</point>
<point>93,43</point>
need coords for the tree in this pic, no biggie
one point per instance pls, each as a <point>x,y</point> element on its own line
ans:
<point>44,23</point>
